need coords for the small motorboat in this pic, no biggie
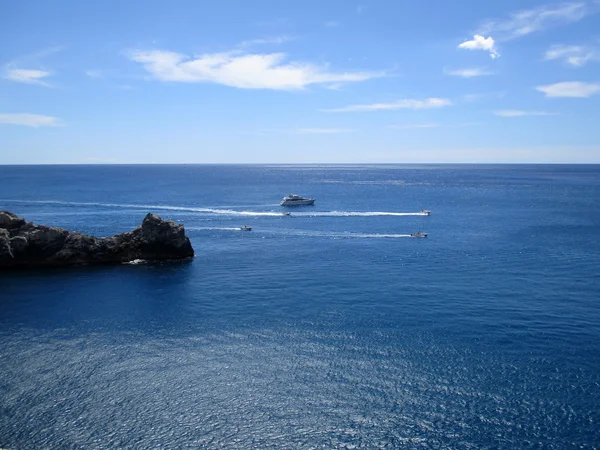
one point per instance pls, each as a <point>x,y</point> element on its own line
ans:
<point>246,228</point>
<point>425,212</point>
<point>418,235</point>
<point>285,214</point>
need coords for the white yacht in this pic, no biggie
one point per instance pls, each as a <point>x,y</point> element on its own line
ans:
<point>296,200</point>
<point>425,212</point>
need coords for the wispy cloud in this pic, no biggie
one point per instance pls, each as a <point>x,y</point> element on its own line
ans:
<point>36,56</point>
<point>574,55</point>
<point>574,89</point>
<point>27,76</point>
<point>468,73</point>
<point>323,130</point>
<point>13,70</point>
<point>410,126</point>
<point>483,96</point>
<point>278,22</point>
<point>276,40</point>
<point>521,113</point>
<point>481,43</point>
<point>528,21</point>
<point>30,120</point>
<point>429,103</point>
<point>242,70</point>
<point>95,73</point>
<point>332,24</point>
<point>416,126</point>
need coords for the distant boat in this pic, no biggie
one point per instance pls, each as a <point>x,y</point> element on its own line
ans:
<point>296,200</point>
<point>418,235</point>
<point>425,212</point>
<point>285,213</point>
<point>246,228</point>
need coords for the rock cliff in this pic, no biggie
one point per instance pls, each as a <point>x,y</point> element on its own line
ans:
<point>23,244</point>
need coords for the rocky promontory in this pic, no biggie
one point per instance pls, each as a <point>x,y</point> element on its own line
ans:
<point>24,244</point>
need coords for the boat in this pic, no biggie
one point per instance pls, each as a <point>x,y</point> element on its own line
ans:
<point>246,228</point>
<point>425,212</point>
<point>296,200</point>
<point>418,235</point>
<point>285,213</point>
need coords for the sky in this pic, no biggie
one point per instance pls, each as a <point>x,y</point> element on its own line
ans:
<point>328,81</point>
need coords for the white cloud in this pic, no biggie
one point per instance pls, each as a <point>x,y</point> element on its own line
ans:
<point>428,103</point>
<point>521,113</point>
<point>27,76</point>
<point>323,130</point>
<point>576,89</point>
<point>481,43</point>
<point>529,21</point>
<point>574,55</point>
<point>30,120</point>
<point>246,71</point>
<point>332,24</point>
<point>468,73</point>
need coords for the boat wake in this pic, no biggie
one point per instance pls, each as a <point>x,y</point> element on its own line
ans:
<point>308,234</point>
<point>215,211</point>
<point>214,228</point>
<point>366,236</point>
<point>341,235</point>
<point>135,262</point>
<point>218,211</point>
<point>355,213</point>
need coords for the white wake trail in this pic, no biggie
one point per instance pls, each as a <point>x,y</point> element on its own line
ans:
<point>355,213</point>
<point>225,212</point>
<point>214,228</point>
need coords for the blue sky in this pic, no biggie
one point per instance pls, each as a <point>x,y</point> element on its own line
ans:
<point>299,82</point>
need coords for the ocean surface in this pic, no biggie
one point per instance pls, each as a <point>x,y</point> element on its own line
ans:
<point>329,328</point>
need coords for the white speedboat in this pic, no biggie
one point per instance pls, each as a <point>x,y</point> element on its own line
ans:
<point>425,212</point>
<point>296,200</point>
<point>418,235</point>
<point>246,228</point>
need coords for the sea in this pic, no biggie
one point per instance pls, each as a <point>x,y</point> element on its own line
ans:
<point>330,328</point>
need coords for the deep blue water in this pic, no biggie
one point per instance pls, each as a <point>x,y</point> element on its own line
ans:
<point>326,329</point>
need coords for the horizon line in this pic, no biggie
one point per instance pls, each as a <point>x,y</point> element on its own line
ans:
<point>309,164</point>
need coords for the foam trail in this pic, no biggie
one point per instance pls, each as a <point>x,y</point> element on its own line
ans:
<point>333,235</point>
<point>369,236</point>
<point>355,235</point>
<point>298,233</point>
<point>229,212</point>
<point>226,212</point>
<point>135,262</point>
<point>354,213</point>
<point>214,228</point>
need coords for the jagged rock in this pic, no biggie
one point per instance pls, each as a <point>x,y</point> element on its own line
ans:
<point>23,244</point>
<point>9,220</point>
<point>6,254</point>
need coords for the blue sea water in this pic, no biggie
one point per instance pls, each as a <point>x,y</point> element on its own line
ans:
<point>329,328</point>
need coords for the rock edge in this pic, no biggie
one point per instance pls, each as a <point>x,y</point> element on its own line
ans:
<point>24,244</point>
